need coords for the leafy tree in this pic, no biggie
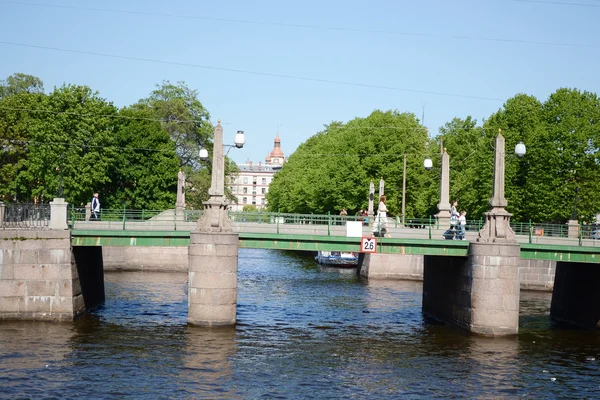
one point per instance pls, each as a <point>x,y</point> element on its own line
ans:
<point>333,169</point>
<point>19,116</point>
<point>183,117</point>
<point>71,144</point>
<point>145,169</point>
<point>20,83</point>
<point>570,145</point>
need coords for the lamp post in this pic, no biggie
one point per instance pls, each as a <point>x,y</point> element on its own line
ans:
<point>443,215</point>
<point>497,221</point>
<point>215,218</point>
<point>427,164</point>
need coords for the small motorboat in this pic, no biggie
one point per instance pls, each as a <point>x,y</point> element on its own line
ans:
<point>337,258</point>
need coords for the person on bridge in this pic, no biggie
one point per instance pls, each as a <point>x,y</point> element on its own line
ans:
<point>462,225</point>
<point>380,227</point>
<point>454,215</point>
<point>95,208</point>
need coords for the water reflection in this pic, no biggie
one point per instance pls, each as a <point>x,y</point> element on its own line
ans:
<point>493,366</point>
<point>206,361</point>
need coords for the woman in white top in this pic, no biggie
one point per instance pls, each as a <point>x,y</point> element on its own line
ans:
<point>381,215</point>
<point>453,211</point>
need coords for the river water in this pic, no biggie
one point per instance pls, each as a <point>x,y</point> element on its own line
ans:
<point>303,332</point>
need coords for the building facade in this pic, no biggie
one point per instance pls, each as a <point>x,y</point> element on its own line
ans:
<point>252,182</point>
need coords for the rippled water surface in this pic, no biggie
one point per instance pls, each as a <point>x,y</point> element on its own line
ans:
<point>303,332</point>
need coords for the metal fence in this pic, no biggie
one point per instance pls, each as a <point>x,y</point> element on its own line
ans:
<point>326,224</point>
<point>24,216</point>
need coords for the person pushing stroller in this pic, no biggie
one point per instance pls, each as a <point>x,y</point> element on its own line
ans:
<point>450,233</point>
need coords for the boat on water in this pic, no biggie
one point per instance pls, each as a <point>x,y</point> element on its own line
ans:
<point>337,258</point>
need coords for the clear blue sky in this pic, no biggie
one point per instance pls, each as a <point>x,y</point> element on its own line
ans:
<point>265,65</point>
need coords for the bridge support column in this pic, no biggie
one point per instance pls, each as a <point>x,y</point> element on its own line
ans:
<point>39,279</point>
<point>575,298</point>
<point>495,288</point>
<point>213,271</point>
<point>479,293</point>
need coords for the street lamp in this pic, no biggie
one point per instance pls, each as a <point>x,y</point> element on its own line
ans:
<point>427,164</point>
<point>520,149</point>
<point>496,228</point>
<point>239,141</point>
<point>215,218</point>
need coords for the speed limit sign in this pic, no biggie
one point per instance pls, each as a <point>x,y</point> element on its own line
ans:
<point>368,245</point>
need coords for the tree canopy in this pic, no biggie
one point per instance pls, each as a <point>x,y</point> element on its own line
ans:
<point>333,168</point>
<point>72,142</point>
<point>75,142</point>
<point>20,83</point>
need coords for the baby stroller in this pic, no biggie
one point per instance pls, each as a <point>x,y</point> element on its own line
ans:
<point>453,232</point>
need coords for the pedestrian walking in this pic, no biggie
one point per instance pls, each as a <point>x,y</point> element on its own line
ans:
<point>450,233</point>
<point>95,208</point>
<point>380,227</point>
<point>462,225</point>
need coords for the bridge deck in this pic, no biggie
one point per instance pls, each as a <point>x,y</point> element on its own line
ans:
<point>302,242</point>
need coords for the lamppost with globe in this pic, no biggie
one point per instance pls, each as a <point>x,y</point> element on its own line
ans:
<point>497,228</point>
<point>215,218</point>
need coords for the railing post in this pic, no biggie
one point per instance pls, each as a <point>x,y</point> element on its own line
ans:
<point>328,223</point>
<point>73,219</point>
<point>530,232</point>
<point>430,223</point>
<point>579,234</point>
<point>175,220</point>
<point>143,214</point>
<point>124,216</point>
<point>278,213</point>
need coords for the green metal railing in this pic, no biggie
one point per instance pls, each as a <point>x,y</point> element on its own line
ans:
<point>286,223</point>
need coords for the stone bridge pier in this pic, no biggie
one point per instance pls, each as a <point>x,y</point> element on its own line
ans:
<point>479,293</point>
<point>43,278</point>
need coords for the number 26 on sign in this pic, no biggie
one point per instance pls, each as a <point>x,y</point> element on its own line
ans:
<point>368,245</point>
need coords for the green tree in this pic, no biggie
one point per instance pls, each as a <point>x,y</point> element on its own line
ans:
<point>19,116</point>
<point>570,146</point>
<point>70,143</point>
<point>20,83</point>
<point>333,169</point>
<point>183,117</point>
<point>144,174</point>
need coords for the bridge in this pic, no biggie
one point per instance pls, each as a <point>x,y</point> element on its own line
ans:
<point>49,272</point>
<point>474,285</point>
<point>313,232</point>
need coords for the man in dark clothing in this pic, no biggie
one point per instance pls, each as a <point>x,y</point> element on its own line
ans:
<point>95,208</point>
